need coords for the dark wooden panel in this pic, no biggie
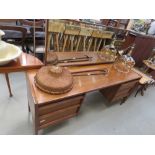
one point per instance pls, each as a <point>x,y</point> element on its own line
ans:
<point>59,105</point>
<point>118,92</point>
<point>57,121</point>
<point>127,85</point>
<point>143,49</point>
<point>58,114</point>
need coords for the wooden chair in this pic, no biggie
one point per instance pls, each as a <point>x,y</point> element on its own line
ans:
<point>38,33</point>
<point>38,22</point>
<point>144,82</point>
<point>106,35</point>
<point>55,31</point>
<point>38,50</point>
<point>15,35</point>
<point>83,39</point>
<point>118,44</point>
<point>97,37</point>
<point>70,33</point>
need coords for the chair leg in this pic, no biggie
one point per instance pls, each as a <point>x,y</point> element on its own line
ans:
<point>65,41</point>
<point>95,43</point>
<point>8,84</point>
<point>98,47</point>
<point>90,43</point>
<point>141,90</point>
<point>78,42</point>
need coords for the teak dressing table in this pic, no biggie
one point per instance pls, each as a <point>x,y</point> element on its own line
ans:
<point>50,109</point>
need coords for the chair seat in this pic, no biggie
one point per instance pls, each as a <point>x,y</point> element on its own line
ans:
<point>12,34</point>
<point>146,79</point>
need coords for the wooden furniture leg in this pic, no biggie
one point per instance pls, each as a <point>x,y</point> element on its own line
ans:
<point>57,42</point>
<point>98,47</point>
<point>8,84</point>
<point>141,89</point>
<point>65,41</point>
<point>84,43</point>
<point>90,43</point>
<point>95,44</point>
<point>78,42</point>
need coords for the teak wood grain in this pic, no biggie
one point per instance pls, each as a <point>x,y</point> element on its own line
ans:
<point>23,63</point>
<point>50,109</point>
<point>83,84</point>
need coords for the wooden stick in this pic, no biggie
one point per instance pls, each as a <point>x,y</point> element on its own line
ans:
<point>90,43</point>
<point>99,45</point>
<point>78,42</point>
<point>57,42</point>
<point>65,41</point>
<point>95,44</point>
<point>72,40</point>
<point>84,43</point>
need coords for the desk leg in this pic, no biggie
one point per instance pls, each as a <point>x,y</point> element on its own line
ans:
<point>8,83</point>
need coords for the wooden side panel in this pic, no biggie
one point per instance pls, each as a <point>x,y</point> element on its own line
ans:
<point>53,113</point>
<point>33,107</point>
<point>119,92</point>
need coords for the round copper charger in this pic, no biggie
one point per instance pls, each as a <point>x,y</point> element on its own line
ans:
<point>54,79</point>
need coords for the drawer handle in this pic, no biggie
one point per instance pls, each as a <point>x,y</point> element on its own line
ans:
<point>42,121</point>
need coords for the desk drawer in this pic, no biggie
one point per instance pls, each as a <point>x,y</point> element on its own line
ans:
<point>122,93</point>
<point>58,114</point>
<point>127,86</point>
<point>51,107</point>
<point>118,92</point>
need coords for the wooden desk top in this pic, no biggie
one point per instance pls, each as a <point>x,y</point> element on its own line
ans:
<point>23,63</point>
<point>82,84</point>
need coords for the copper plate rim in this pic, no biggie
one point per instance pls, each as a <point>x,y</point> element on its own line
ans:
<point>53,92</point>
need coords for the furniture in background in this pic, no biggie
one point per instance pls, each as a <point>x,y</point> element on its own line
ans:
<point>144,82</point>
<point>83,39</point>
<point>23,63</point>
<point>15,35</point>
<point>37,46</point>
<point>144,45</point>
<point>54,35</point>
<point>69,34</point>
<point>35,40</point>
<point>9,22</point>
<point>61,36</point>
<point>118,23</point>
